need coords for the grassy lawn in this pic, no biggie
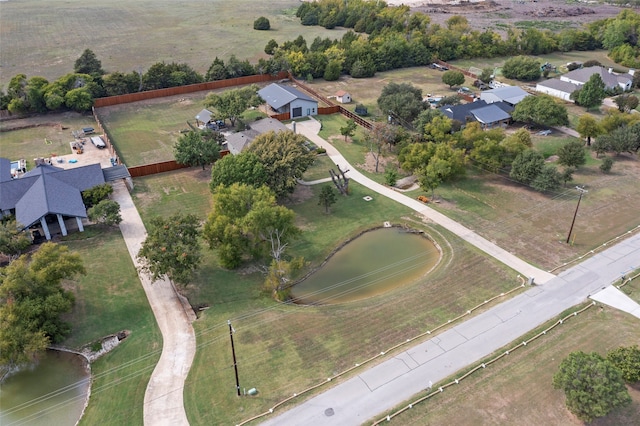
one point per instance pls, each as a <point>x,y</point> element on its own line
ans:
<point>49,135</point>
<point>283,349</point>
<point>144,132</point>
<point>518,389</point>
<point>45,37</point>
<point>319,169</point>
<point>181,191</point>
<point>110,299</point>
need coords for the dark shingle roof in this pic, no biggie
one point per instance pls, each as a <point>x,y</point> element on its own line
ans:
<point>461,112</point>
<point>278,96</point>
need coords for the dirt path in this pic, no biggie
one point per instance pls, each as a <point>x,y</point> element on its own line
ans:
<point>163,400</point>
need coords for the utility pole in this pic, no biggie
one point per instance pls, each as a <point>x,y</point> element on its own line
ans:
<point>233,351</point>
<point>582,192</point>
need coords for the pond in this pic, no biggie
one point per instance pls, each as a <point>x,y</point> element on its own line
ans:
<point>372,264</point>
<point>51,393</point>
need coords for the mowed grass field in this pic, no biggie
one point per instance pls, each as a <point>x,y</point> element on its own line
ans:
<point>45,37</point>
<point>110,299</point>
<point>145,132</point>
<point>283,349</point>
<point>518,388</point>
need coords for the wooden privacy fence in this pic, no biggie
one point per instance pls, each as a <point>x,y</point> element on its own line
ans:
<point>115,158</point>
<point>180,90</point>
<point>152,169</point>
<point>453,67</point>
<point>332,109</point>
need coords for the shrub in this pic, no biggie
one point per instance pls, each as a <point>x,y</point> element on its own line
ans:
<point>261,24</point>
<point>607,163</point>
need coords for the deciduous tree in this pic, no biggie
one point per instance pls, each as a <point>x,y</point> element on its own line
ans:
<point>572,154</point>
<point>106,212</point>
<point>627,360</point>
<point>284,157</point>
<point>32,300</point>
<point>588,128</point>
<point>261,24</point>
<point>243,168</point>
<point>403,101</point>
<point>542,110</point>
<point>246,223</point>
<point>592,93</point>
<point>522,68</point>
<point>233,103</point>
<point>453,78</point>
<point>172,248</point>
<point>548,179</point>
<point>192,149</point>
<point>592,385</point>
<point>349,129</point>
<point>13,240</point>
<point>527,165</point>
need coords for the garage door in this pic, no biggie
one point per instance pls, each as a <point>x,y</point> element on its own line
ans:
<point>297,112</point>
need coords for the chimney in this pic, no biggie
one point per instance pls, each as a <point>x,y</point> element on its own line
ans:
<point>610,70</point>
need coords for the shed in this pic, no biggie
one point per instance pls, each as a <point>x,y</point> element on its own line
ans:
<point>343,97</point>
<point>203,117</point>
<point>283,99</point>
<point>558,88</point>
<point>491,116</point>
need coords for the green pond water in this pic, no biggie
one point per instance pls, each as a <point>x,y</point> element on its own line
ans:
<point>51,393</point>
<point>371,264</point>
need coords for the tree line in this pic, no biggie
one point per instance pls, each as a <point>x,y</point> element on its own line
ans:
<point>381,38</point>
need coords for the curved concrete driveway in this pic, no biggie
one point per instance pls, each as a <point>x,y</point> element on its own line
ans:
<point>163,399</point>
<point>310,129</point>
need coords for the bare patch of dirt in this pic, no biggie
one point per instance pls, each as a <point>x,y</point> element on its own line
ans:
<point>301,194</point>
<point>370,163</point>
<point>487,14</point>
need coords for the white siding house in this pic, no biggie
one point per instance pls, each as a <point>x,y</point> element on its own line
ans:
<point>557,88</point>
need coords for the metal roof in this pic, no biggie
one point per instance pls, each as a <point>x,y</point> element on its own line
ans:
<point>204,116</point>
<point>49,190</point>
<point>278,96</point>
<point>490,114</point>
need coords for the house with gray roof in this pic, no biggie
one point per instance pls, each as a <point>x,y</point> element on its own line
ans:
<point>462,112</point>
<point>509,94</point>
<point>286,99</point>
<point>47,193</point>
<point>557,88</point>
<point>497,114</point>
<point>568,83</point>
<point>491,116</point>
<point>237,142</point>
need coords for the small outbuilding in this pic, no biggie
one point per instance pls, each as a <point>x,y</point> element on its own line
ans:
<point>343,97</point>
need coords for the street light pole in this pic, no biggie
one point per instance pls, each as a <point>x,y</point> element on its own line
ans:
<point>233,351</point>
<point>582,191</point>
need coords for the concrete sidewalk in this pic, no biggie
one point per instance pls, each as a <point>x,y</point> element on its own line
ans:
<point>615,298</point>
<point>310,129</point>
<point>163,399</point>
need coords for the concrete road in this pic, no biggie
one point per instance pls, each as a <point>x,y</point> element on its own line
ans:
<point>163,399</point>
<point>380,388</point>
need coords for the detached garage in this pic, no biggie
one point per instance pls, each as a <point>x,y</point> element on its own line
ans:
<point>282,99</point>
